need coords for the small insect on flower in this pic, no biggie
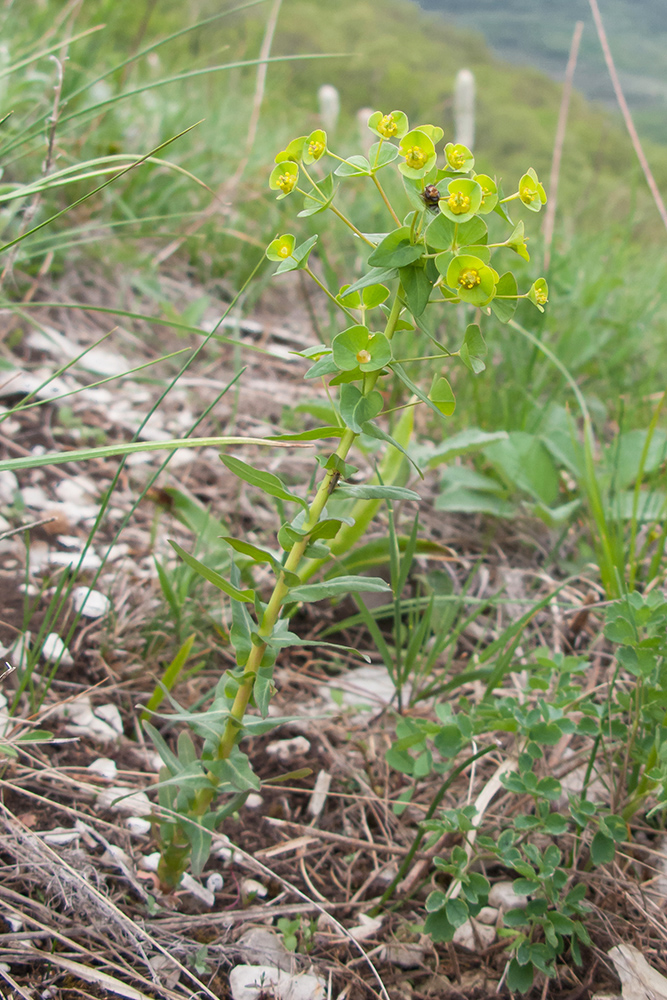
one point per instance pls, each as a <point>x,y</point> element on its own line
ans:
<point>431,196</point>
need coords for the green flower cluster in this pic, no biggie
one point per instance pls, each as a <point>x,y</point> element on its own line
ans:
<point>441,250</point>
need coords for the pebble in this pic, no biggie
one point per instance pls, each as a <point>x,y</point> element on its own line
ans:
<point>60,836</point>
<point>254,801</point>
<point>194,887</point>
<point>149,862</point>
<point>132,802</point>
<point>247,982</point>
<point>91,603</point>
<point>286,750</point>
<point>473,935</point>
<point>103,767</point>
<point>138,826</point>
<point>503,896</point>
<point>111,715</point>
<point>367,927</point>
<point>55,651</point>
<point>251,887</point>
<point>263,946</point>
<point>405,955</point>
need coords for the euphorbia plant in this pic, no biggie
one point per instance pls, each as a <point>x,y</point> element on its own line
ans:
<point>438,255</point>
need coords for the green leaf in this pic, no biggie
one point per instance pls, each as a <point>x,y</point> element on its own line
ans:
<point>264,481</point>
<point>414,389</point>
<point>603,849</point>
<point>466,443</point>
<point>327,190</point>
<point>212,577</point>
<point>339,585</point>
<point>374,276</point>
<point>442,396</point>
<point>435,901</point>
<point>520,977</point>
<point>356,409</point>
<point>380,154</point>
<point>200,844</point>
<point>354,166</point>
<point>473,349</point>
<point>457,911</point>
<point>616,827</point>
<point>505,308</point>
<point>439,927</point>
<point>372,492</point>
<point>235,771</point>
<point>396,250</point>
<point>417,287</point>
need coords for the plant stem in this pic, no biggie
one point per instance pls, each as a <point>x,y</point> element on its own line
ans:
<point>281,588</point>
<point>386,200</point>
<point>326,291</point>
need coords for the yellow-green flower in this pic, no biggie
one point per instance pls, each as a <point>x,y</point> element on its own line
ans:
<point>459,157</point>
<point>489,193</point>
<point>473,280</point>
<point>462,201</point>
<point>419,152</point>
<point>517,241</point>
<point>293,151</point>
<point>284,177</point>
<point>315,146</point>
<point>539,293</point>
<point>531,192</point>
<point>281,248</point>
<point>391,126</point>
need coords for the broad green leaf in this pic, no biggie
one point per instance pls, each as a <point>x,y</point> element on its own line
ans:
<point>473,349</point>
<point>325,194</point>
<point>396,250</point>
<point>340,585</point>
<point>382,153</point>
<point>356,409</point>
<point>442,396</point>
<point>213,577</point>
<point>373,277</point>
<point>417,287</point>
<point>603,849</point>
<point>520,977</point>
<point>200,843</point>
<point>354,166</point>
<point>504,308</point>
<point>373,492</point>
<point>264,481</point>
<point>466,443</point>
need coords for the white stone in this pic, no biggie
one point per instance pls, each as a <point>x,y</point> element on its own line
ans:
<point>247,982</point>
<point>194,887</point>
<point>17,653</point>
<point>251,887</point>
<point>367,927</point>
<point>254,801</point>
<point>366,689</point>
<point>286,750</point>
<point>262,946</point>
<point>473,935</point>
<point>60,836</point>
<point>503,896</point>
<point>103,767</point>
<point>55,651</point>
<point>406,955</point>
<point>9,486</point>
<point>487,915</point>
<point>91,603</point>
<point>131,802</point>
<point>138,826</point>
<point>150,862</point>
<point>110,715</point>
<point>90,560</point>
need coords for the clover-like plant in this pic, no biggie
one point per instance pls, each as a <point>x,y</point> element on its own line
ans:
<point>444,233</point>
